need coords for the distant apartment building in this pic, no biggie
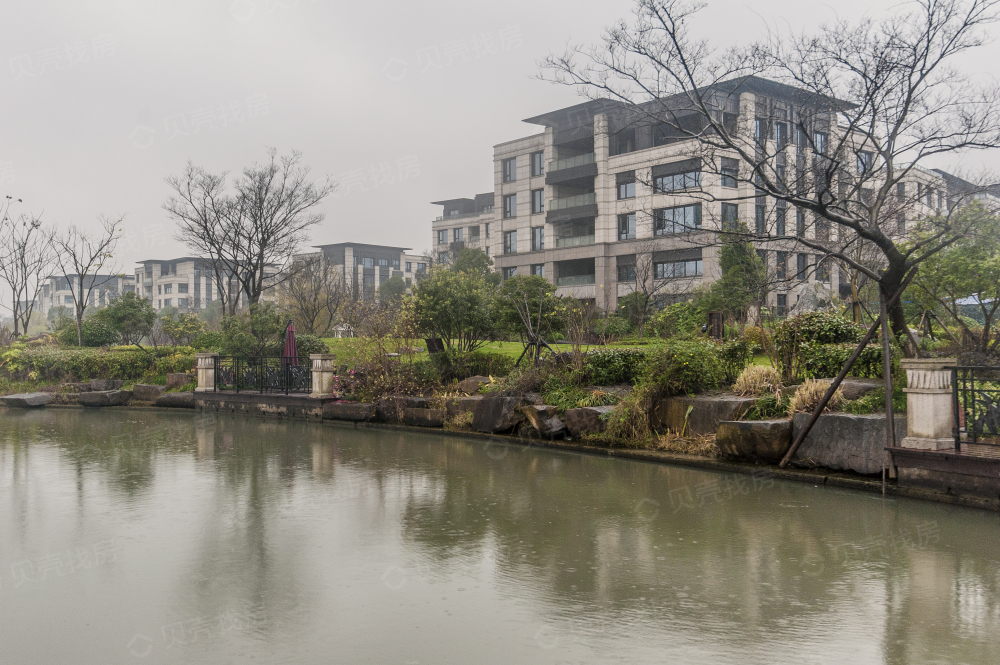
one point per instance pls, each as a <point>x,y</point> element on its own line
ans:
<point>187,283</point>
<point>58,290</point>
<point>465,223</point>
<point>365,267</point>
<point>583,201</point>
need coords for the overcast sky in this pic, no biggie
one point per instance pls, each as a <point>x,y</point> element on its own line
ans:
<point>401,102</point>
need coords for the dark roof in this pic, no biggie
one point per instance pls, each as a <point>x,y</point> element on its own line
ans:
<point>183,258</point>
<point>451,201</point>
<point>365,245</point>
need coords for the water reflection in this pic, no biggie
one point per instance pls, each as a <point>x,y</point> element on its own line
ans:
<point>288,540</point>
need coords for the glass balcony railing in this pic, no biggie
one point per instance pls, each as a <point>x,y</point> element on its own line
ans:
<point>575,241</point>
<point>575,280</point>
<point>485,211</point>
<point>573,201</point>
<point>570,162</point>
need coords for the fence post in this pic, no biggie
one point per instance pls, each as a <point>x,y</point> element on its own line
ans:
<point>323,373</point>
<point>206,371</point>
<point>929,411</point>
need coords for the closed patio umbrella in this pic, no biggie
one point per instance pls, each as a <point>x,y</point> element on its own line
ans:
<point>290,356</point>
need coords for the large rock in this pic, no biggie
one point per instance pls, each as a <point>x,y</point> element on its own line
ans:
<point>105,398</point>
<point>854,387</point>
<point>424,417</point>
<point>81,387</point>
<point>355,411</point>
<point>707,411</point>
<point>845,442</point>
<point>181,400</point>
<point>586,420</point>
<point>459,405</point>
<point>177,379</point>
<point>766,440</point>
<point>545,419</point>
<point>146,393</point>
<point>27,400</point>
<point>814,298</point>
<point>390,409</point>
<point>472,384</point>
<point>105,384</point>
<point>497,414</point>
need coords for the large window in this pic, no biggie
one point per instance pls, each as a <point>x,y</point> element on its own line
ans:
<point>865,160</point>
<point>626,226</point>
<point>822,269</point>
<point>168,302</point>
<point>537,163</point>
<point>626,185</point>
<point>819,142</point>
<point>624,141</point>
<point>538,269</point>
<point>510,206</point>
<point>626,268</point>
<point>442,259</point>
<point>442,239</point>
<point>781,265</point>
<point>780,214</point>
<point>667,221</point>
<point>730,171</point>
<point>730,216</point>
<point>456,235</point>
<point>781,134</point>
<point>182,288</point>
<point>487,230</point>
<point>677,182</point>
<point>509,272</point>
<point>510,242</point>
<point>801,266</point>
<point>537,238</point>
<point>675,269</point>
<point>537,201</point>
<point>800,224</point>
<point>760,216</point>
<point>509,169</point>
<point>168,288</point>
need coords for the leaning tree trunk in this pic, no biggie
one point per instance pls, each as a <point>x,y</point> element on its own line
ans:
<point>890,282</point>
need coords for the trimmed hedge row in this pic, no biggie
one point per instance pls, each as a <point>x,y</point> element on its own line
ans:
<point>826,360</point>
<point>127,364</point>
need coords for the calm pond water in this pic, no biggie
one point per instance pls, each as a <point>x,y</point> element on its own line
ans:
<point>133,537</point>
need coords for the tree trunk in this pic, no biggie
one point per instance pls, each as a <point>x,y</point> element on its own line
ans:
<point>891,280</point>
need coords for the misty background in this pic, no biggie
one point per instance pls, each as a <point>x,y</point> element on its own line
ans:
<point>399,102</point>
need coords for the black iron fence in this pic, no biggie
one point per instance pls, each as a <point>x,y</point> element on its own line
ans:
<point>263,374</point>
<point>976,410</point>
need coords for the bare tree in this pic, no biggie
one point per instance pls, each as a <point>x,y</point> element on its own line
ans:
<point>250,233</point>
<point>27,256</point>
<point>874,100</point>
<point>83,256</point>
<point>313,294</point>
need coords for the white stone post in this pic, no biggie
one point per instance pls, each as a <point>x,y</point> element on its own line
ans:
<point>929,411</point>
<point>323,373</point>
<point>206,371</point>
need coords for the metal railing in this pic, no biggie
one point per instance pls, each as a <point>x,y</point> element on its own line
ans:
<point>573,201</point>
<point>570,162</point>
<point>976,410</point>
<point>263,374</point>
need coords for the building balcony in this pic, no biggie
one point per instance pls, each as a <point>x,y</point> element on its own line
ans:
<point>575,280</point>
<point>577,201</point>
<point>575,241</point>
<point>570,162</point>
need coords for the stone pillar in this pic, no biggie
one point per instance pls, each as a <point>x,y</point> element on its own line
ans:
<point>323,373</point>
<point>929,417</point>
<point>205,363</point>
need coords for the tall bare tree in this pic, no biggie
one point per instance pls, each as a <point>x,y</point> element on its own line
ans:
<point>313,294</point>
<point>27,257</point>
<point>875,100</point>
<point>249,230</point>
<point>83,256</point>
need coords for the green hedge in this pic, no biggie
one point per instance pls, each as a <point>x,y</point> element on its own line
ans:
<point>459,365</point>
<point>128,364</point>
<point>612,367</point>
<point>680,367</point>
<point>826,360</point>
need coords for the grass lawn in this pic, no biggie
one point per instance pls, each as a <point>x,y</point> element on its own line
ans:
<point>347,348</point>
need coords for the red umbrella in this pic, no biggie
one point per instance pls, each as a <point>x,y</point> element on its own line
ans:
<point>290,356</point>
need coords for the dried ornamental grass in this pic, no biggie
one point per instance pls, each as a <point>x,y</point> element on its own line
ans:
<point>758,380</point>
<point>809,394</point>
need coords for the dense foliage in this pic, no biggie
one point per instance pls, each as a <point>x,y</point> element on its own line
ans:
<point>60,364</point>
<point>257,330</point>
<point>455,307</point>
<point>614,366</point>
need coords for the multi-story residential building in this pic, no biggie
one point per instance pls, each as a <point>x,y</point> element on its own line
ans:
<point>597,193</point>
<point>465,223</point>
<point>365,267</point>
<point>57,290</point>
<point>186,283</point>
